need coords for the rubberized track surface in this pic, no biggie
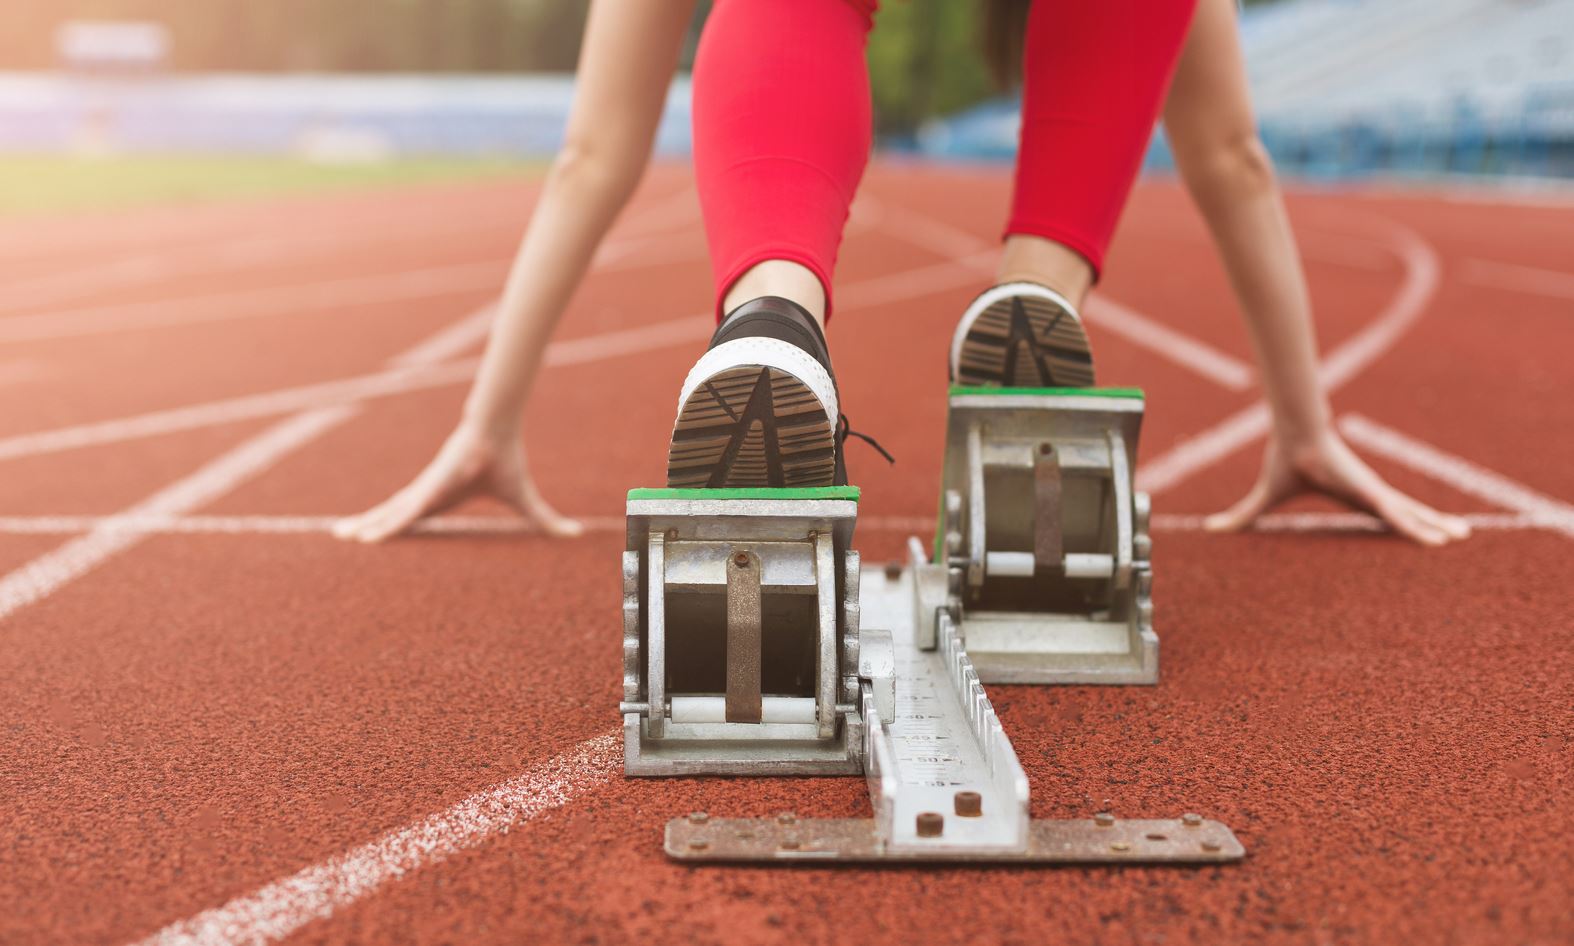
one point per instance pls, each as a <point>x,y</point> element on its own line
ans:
<point>221,725</point>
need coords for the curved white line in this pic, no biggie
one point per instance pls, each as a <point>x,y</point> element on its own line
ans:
<point>1422,274</point>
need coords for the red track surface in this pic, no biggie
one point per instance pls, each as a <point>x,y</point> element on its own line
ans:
<point>202,714</point>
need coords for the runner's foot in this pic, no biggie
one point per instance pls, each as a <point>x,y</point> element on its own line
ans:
<point>1021,334</point>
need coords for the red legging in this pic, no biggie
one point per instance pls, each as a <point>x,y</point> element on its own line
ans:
<point>782,123</point>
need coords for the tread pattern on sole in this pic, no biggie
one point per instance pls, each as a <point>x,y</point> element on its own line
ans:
<point>1026,341</point>
<point>750,426</point>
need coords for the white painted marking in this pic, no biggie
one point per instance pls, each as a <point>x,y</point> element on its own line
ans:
<point>283,907</point>
<point>20,372</point>
<point>1527,279</point>
<point>965,249</point>
<point>43,575</point>
<point>253,303</point>
<point>1227,371</point>
<point>1422,272</point>
<point>505,525</point>
<point>1461,474</point>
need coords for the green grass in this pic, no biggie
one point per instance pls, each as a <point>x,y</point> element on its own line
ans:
<point>48,185</point>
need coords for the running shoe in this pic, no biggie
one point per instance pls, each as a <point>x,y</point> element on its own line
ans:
<point>760,406</point>
<point>1021,335</point>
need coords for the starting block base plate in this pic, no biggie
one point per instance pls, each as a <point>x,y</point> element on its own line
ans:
<point>789,840</point>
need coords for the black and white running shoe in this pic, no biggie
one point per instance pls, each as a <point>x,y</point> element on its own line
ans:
<point>760,406</point>
<point>1021,335</point>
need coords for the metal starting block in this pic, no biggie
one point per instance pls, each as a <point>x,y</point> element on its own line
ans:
<point>1044,537</point>
<point>741,646</point>
<point>752,646</point>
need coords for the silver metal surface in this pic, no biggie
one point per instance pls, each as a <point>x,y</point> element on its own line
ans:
<point>944,737</point>
<point>699,838</point>
<point>826,671</point>
<point>655,633</point>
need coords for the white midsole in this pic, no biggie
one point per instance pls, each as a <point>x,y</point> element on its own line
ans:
<point>991,296</point>
<point>769,353</point>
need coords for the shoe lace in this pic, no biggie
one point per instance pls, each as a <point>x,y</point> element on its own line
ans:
<point>844,429</point>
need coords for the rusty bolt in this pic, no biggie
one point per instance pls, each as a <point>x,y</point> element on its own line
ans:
<point>698,844</point>
<point>1211,845</point>
<point>789,844</point>
<point>1191,820</point>
<point>1119,847</point>
<point>698,817</point>
<point>931,824</point>
<point>1046,448</point>
<point>672,535</point>
<point>969,804</point>
<point>786,817</point>
<point>893,570</point>
<point>741,559</point>
<point>1104,819</point>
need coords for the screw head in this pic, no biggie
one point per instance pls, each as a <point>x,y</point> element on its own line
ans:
<point>1119,847</point>
<point>786,817</point>
<point>698,844</point>
<point>1046,448</point>
<point>741,560</point>
<point>930,824</point>
<point>789,844</point>
<point>1104,819</point>
<point>1191,820</point>
<point>672,535</point>
<point>893,570</point>
<point>698,817</point>
<point>969,804</point>
<point>1211,845</point>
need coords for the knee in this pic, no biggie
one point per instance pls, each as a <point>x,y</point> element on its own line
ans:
<point>1232,168</point>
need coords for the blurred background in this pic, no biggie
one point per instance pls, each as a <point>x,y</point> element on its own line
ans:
<point>165,98</point>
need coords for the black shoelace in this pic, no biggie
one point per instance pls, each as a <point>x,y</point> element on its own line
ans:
<point>844,429</point>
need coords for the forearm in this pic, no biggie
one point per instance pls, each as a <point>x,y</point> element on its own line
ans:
<point>626,64</point>
<point>1245,212</point>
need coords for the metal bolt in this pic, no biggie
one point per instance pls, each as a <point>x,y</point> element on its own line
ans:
<point>814,534</point>
<point>1046,448</point>
<point>698,844</point>
<point>1119,847</point>
<point>789,844</point>
<point>786,817</point>
<point>672,535</point>
<point>1191,820</point>
<point>698,817</point>
<point>893,570</point>
<point>931,824</point>
<point>741,559</point>
<point>969,804</point>
<point>1211,845</point>
<point>1104,819</point>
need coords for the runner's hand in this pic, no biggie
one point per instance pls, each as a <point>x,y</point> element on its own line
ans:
<point>1328,466</point>
<point>469,464</point>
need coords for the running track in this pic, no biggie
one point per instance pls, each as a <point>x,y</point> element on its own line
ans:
<point>221,725</point>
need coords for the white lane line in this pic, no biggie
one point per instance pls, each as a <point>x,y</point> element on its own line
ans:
<point>230,410</point>
<point>43,575</point>
<point>283,907</point>
<point>415,369</point>
<point>18,372</point>
<point>503,525</point>
<point>966,249</point>
<point>252,303</point>
<point>1422,273</point>
<point>1527,279</point>
<point>1459,473</point>
<point>1227,371</point>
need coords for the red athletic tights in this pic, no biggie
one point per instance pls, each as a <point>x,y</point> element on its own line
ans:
<point>782,123</point>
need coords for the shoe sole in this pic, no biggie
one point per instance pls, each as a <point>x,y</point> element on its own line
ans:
<point>752,426</point>
<point>1026,340</point>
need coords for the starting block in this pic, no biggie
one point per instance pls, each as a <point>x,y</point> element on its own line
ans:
<point>1044,537</point>
<point>741,645</point>
<point>753,645</point>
